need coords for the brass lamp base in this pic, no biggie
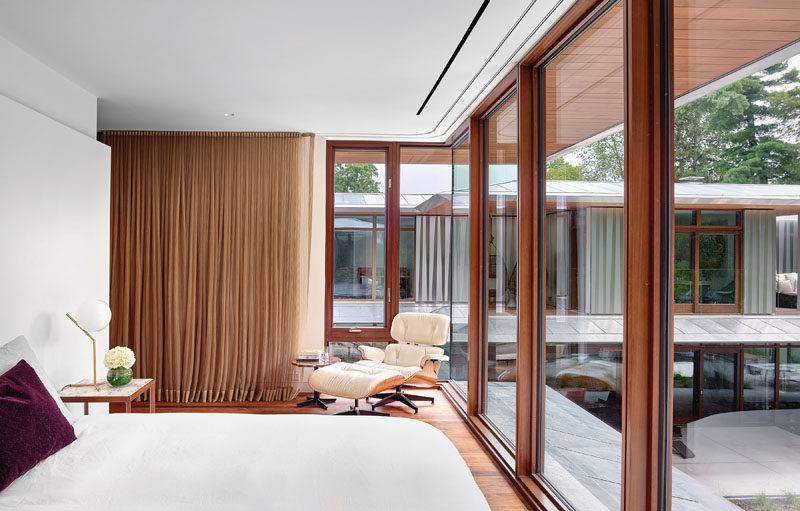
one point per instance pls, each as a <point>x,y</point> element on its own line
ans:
<point>94,359</point>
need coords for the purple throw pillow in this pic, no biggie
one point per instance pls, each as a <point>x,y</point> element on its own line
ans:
<point>31,425</point>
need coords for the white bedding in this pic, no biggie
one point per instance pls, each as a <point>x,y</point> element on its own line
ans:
<point>243,462</point>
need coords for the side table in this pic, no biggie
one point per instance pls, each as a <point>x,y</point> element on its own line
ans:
<point>315,400</point>
<point>107,393</point>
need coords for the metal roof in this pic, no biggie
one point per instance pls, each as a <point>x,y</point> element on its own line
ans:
<point>590,192</point>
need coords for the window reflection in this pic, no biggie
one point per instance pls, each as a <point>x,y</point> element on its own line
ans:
<point>501,283</point>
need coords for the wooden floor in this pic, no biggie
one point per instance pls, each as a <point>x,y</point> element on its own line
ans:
<point>499,492</point>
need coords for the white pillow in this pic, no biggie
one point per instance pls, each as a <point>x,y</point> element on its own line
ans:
<point>19,349</point>
<point>785,287</point>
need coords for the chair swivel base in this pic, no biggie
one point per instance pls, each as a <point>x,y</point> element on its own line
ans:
<point>355,410</point>
<point>400,395</point>
<point>316,400</point>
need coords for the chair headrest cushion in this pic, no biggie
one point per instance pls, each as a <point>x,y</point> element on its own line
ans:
<point>421,328</point>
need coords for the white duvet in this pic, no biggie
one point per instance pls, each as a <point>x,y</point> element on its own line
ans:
<point>249,462</point>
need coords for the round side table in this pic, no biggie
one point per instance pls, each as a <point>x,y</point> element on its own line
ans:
<point>314,364</point>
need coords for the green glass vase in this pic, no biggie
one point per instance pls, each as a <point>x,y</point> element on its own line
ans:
<point>119,376</point>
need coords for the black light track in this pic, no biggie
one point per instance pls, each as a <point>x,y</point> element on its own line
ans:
<point>455,53</point>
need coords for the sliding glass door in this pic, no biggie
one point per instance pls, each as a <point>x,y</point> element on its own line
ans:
<point>500,132</point>
<point>459,262</point>
<point>584,236</point>
<point>737,320</point>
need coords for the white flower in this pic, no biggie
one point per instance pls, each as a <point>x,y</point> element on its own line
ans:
<point>119,357</point>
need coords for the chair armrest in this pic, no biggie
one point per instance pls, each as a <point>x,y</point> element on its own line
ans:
<point>371,353</point>
<point>433,358</point>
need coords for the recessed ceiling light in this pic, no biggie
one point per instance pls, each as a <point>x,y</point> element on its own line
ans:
<point>230,114</point>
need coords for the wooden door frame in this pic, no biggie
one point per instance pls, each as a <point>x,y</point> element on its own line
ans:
<point>648,275</point>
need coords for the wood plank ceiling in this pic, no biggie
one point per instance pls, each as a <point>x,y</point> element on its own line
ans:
<point>584,83</point>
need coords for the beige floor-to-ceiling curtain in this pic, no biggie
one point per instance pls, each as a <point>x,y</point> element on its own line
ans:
<point>210,238</point>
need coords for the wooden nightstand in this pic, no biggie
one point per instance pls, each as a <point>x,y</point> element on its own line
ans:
<point>109,394</point>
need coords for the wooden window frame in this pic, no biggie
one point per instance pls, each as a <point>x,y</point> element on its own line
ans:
<point>647,346</point>
<point>391,219</point>
<point>391,230</point>
<point>695,231</point>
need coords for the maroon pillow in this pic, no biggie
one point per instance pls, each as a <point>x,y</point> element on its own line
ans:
<point>31,425</point>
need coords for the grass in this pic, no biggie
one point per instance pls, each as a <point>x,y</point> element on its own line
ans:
<point>792,499</point>
<point>764,504</point>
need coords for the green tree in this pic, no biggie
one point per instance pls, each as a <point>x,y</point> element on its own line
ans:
<point>561,169</point>
<point>604,160</point>
<point>355,178</point>
<point>744,132</point>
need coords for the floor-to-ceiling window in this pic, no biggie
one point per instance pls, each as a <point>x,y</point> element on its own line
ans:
<point>459,261</point>
<point>584,235</point>
<point>736,376</point>
<point>500,132</point>
<point>425,269</point>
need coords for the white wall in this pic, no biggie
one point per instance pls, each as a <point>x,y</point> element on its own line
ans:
<point>316,278</point>
<point>54,231</point>
<point>29,82</point>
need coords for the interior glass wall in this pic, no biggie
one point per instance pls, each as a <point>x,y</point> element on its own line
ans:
<point>459,326</point>
<point>736,373</point>
<point>426,270</point>
<point>359,239</point>
<point>500,137</point>
<point>583,116</point>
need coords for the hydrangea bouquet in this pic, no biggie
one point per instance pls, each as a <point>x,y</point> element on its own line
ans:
<point>119,361</point>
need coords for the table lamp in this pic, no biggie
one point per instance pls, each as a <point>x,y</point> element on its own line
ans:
<point>92,316</point>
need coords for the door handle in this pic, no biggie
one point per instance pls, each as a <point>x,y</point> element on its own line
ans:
<point>355,330</point>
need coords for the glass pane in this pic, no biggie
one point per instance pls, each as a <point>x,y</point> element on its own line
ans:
<point>685,217</point>
<point>759,378</point>
<point>501,245</point>
<point>719,218</point>
<point>424,252</point>
<point>584,265</point>
<point>407,246</point>
<point>380,256</point>
<point>407,222</point>
<point>789,386</point>
<point>684,269</point>
<point>719,379</point>
<point>459,324</point>
<point>717,269</point>
<point>686,388</point>
<point>352,265</point>
<point>358,238</point>
<point>353,222</point>
<point>348,351</point>
<point>732,128</point>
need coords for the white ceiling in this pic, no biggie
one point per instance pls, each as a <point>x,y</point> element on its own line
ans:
<point>346,69</point>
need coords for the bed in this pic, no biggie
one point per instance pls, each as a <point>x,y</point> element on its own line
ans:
<point>245,462</point>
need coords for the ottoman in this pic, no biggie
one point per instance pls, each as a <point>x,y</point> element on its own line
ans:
<point>354,381</point>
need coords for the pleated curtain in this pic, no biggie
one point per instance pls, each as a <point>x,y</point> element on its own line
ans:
<point>210,237</point>
<point>604,240</point>
<point>787,244</point>
<point>759,262</point>
<point>433,258</point>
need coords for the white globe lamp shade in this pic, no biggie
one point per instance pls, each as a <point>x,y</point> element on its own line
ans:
<point>93,315</point>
